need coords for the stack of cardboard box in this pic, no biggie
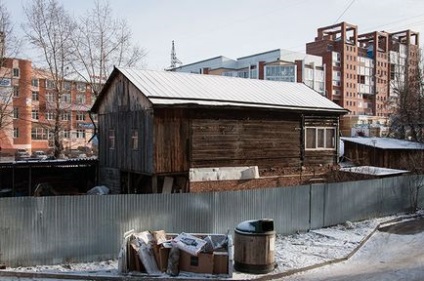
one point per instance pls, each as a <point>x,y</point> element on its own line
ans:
<point>199,253</point>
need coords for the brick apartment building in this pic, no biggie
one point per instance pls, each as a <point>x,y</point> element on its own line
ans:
<point>28,99</point>
<point>363,69</point>
<point>277,65</point>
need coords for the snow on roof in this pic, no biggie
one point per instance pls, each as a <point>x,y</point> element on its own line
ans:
<point>164,87</point>
<point>385,143</point>
<point>376,171</point>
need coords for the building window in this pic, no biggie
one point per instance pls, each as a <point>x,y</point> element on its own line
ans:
<point>80,98</point>
<point>134,139</point>
<point>66,85</point>
<point>66,134</point>
<point>320,138</point>
<point>15,91</point>
<point>66,116</point>
<point>35,114</point>
<point>80,134</point>
<point>111,139</point>
<point>280,73</point>
<point>81,87</point>
<point>38,134</point>
<point>50,115</point>
<point>15,113</point>
<point>35,96</point>
<point>80,116</point>
<point>65,97</point>
<point>50,97</point>
<point>15,133</point>
<point>16,72</point>
<point>50,84</point>
<point>34,82</point>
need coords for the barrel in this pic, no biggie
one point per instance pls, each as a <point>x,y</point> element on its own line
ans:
<point>254,246</point>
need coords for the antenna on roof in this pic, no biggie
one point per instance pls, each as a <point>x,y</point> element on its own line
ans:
<point>174,59</point>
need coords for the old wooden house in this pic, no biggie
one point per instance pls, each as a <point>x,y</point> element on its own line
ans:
<point>384,152</point>
<point>154,126</point>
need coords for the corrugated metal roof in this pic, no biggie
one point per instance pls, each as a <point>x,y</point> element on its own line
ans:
<point>375,171</point>
<point>385,143</point>
<point>162,87</point>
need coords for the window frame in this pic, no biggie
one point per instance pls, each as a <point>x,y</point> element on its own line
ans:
<point>320,138</point>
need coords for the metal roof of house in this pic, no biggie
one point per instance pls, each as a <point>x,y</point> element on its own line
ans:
<point>376,171</point>
<point>165,88</point>
<point>385,143</point>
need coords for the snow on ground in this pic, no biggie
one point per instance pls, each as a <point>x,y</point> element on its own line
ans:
<point>292,252</point>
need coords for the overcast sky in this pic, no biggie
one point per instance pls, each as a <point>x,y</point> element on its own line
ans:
<point>235,28</point>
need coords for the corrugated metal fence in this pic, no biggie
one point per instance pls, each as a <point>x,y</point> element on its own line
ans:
<point>51,230</point>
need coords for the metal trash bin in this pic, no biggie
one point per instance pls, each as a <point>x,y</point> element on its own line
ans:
<point>254,246</point>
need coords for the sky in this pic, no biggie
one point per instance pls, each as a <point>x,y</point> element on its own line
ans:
<point>235,28</point>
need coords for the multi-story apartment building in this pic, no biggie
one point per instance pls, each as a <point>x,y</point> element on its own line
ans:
<point>363,70</point>
<point>29,106</point>
<point>277,65</point>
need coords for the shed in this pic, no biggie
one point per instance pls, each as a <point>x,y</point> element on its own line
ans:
<point>384,152</point>
<point>154,126</point>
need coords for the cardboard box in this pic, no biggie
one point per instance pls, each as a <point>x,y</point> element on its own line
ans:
<point>161,256</point>
<point>135,263</point>
<point>220,262</point>
<point>202,263</point>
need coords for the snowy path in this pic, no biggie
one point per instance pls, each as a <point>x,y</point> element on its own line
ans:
<point>386,256</point>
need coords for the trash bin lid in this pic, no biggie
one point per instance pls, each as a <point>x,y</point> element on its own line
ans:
<point>256,226</point>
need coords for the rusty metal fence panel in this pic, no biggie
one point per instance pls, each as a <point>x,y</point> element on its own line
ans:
<point>52,230</point>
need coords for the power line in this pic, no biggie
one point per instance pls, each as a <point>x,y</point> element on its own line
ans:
<point>347,8</point>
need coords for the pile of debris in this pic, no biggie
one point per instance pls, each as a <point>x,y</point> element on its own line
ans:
<point>156,253</point>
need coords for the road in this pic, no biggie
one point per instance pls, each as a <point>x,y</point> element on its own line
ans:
<point>393,253</point>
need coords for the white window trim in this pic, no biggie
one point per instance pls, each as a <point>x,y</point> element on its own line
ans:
<point>316,138</point>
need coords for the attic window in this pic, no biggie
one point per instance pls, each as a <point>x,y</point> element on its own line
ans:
<point>320,138</point>
<point>134,139</point>
<point>111,139</point>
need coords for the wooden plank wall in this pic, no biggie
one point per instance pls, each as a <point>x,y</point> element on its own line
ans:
<point>124,109</point>
<point>171,137</point>
<point>265,143</point>
<point>123,156</point>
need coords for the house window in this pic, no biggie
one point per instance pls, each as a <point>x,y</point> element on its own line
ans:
<point>34,82</point>
<point>66,116</point>
<point>80,116</point>
<point>50,97</point>
<point>111,139</point>
<point>35,95</point>
<point>134,139</point>
<point>15,113</point>
<point>50,115</point>
<point>35,114</point>
<point>80,98</point>
<point>15,133</point>
<point>320,138</point>
<point>80,134</point>
<point>38,134</point>
<point>15,91</point>
<point>16,72</point>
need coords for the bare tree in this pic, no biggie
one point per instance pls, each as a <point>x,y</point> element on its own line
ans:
<point>407,121</point>
<point>100,43</point>
<point>50,30</point>
<point>9,47</point>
